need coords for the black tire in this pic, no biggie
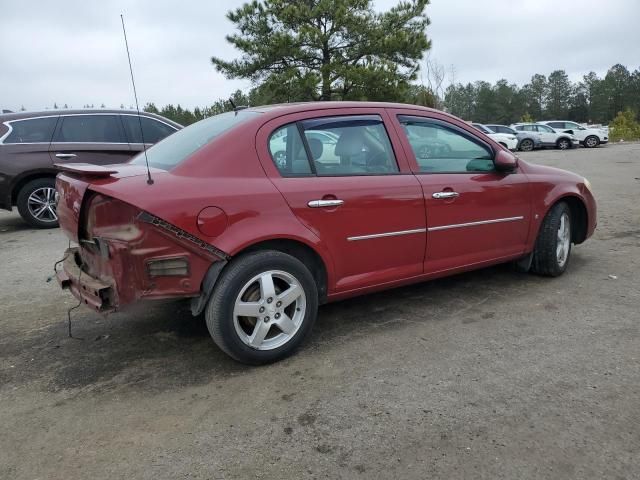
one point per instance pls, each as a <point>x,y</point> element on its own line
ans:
<point>591,141</point>
<point>563,144</point>
<point>220,309</point>
<point>25,207</point>
<point>545,255</point>
<point>526,145</point>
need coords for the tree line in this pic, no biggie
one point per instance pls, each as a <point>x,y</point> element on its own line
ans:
<point>590,100</point>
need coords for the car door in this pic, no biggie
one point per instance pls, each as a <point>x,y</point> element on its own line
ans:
<point>344,179</point>
<point>90,138</point>
<point>153,130</point>
<point>547,134</point>
<point>475,214</point>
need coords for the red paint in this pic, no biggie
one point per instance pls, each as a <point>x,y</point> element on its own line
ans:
<point>253,203</point>
<point>212,221</point>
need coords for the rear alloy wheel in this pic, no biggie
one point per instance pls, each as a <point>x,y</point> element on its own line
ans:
<point>564,144</point>
<point>37,204</point>
<point>263,307</point>
<point>591,141</point>
<point>553,246</point>
<point>526,145</point>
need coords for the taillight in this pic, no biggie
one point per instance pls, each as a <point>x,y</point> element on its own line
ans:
<point>108,218</point>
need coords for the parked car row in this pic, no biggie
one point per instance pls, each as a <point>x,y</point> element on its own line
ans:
<point>551,133</point>
<point>30,144</point>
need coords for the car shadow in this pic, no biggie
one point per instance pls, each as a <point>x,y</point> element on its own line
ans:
<point>160,345</point>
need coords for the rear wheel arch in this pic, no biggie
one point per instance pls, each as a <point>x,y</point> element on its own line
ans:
<point>303,252</point>
<point>26,178</point>
<point>296,248</point>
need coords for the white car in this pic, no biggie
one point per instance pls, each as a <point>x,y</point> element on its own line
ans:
<point>506,140</point>
<point>548,136</point>
<point>588,137</point>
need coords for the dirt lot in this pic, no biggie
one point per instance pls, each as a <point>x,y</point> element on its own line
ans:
<point>490,374</point>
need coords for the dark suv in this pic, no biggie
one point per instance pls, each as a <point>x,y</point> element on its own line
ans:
<point>30,143</point>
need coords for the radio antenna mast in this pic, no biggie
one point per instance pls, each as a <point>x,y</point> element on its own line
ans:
<point>135,95</point>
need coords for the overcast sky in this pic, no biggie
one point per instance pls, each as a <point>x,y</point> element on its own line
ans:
<point>72,51</point>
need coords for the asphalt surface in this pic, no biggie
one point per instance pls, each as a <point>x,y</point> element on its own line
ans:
<point>490,374</point>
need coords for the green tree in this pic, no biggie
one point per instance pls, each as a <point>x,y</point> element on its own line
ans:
<point>625,126</point>
<point>558,94</point>
<point>328,49</point>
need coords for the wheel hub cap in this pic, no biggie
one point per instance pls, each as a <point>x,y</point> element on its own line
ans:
<point>269,310</point>
<point>42,204</point>
<point>564,240</point>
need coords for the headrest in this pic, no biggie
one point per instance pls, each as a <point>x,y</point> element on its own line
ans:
<point>351,142</point>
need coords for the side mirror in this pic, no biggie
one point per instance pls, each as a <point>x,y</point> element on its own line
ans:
<point>505,161</point>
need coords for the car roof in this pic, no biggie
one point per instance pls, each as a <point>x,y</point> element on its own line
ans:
<point>280,109</point>
<point>80,111</point>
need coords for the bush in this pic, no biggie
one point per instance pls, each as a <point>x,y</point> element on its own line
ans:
<point>624,127</point>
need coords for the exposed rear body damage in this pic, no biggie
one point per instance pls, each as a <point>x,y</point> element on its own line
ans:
<point>125,254</point>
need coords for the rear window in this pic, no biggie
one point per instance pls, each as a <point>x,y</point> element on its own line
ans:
<point>37,130</point>
<point>180,145</point>
<point>153,130</point>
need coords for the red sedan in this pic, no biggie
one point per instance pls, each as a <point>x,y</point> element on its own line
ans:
<point>262,214</point>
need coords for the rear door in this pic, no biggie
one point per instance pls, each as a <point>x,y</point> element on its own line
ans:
<point>474,213</point>
<point>346,179</point>
<point>90,138</point>
<point>547,134</point>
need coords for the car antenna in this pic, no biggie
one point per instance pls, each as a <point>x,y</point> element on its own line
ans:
<point>135,95</point>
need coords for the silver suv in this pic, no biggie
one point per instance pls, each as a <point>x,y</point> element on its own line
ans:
<point>548,136</point>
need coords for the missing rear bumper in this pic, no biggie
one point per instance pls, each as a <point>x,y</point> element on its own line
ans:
<point>89,290</point>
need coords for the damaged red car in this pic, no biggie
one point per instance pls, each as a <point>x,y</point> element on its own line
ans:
<point>260,215</point>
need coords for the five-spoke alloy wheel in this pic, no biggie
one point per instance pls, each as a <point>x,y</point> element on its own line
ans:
<point>262,307</point>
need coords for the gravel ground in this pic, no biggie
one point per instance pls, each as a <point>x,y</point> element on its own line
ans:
<point>490,374</point>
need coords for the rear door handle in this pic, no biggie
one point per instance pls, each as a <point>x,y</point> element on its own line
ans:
<point>324,203</point>
<point>65,155</point>
<point>443,195</point>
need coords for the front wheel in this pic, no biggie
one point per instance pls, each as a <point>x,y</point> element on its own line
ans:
<point>553,245</point>
<point>563,144</point>
<point>591,141</point>
<point>36,203</point>
<point>263,307</point>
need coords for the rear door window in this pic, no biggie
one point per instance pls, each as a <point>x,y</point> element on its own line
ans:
<point>288,152</point>
<point>350,145</point>
<point>33,130</point>
<point>90,129</point>
<point>152,130</point>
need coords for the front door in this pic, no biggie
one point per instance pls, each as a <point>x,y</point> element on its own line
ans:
<point>90,138</point>
<point>353,194</point>
<point>474,213</point>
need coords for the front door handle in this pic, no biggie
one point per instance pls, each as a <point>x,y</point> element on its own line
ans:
<point>324,203</point>
<point>65,155</point>
<point>443,195</point>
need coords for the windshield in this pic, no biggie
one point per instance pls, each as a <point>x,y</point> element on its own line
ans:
<point>177,147</point>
